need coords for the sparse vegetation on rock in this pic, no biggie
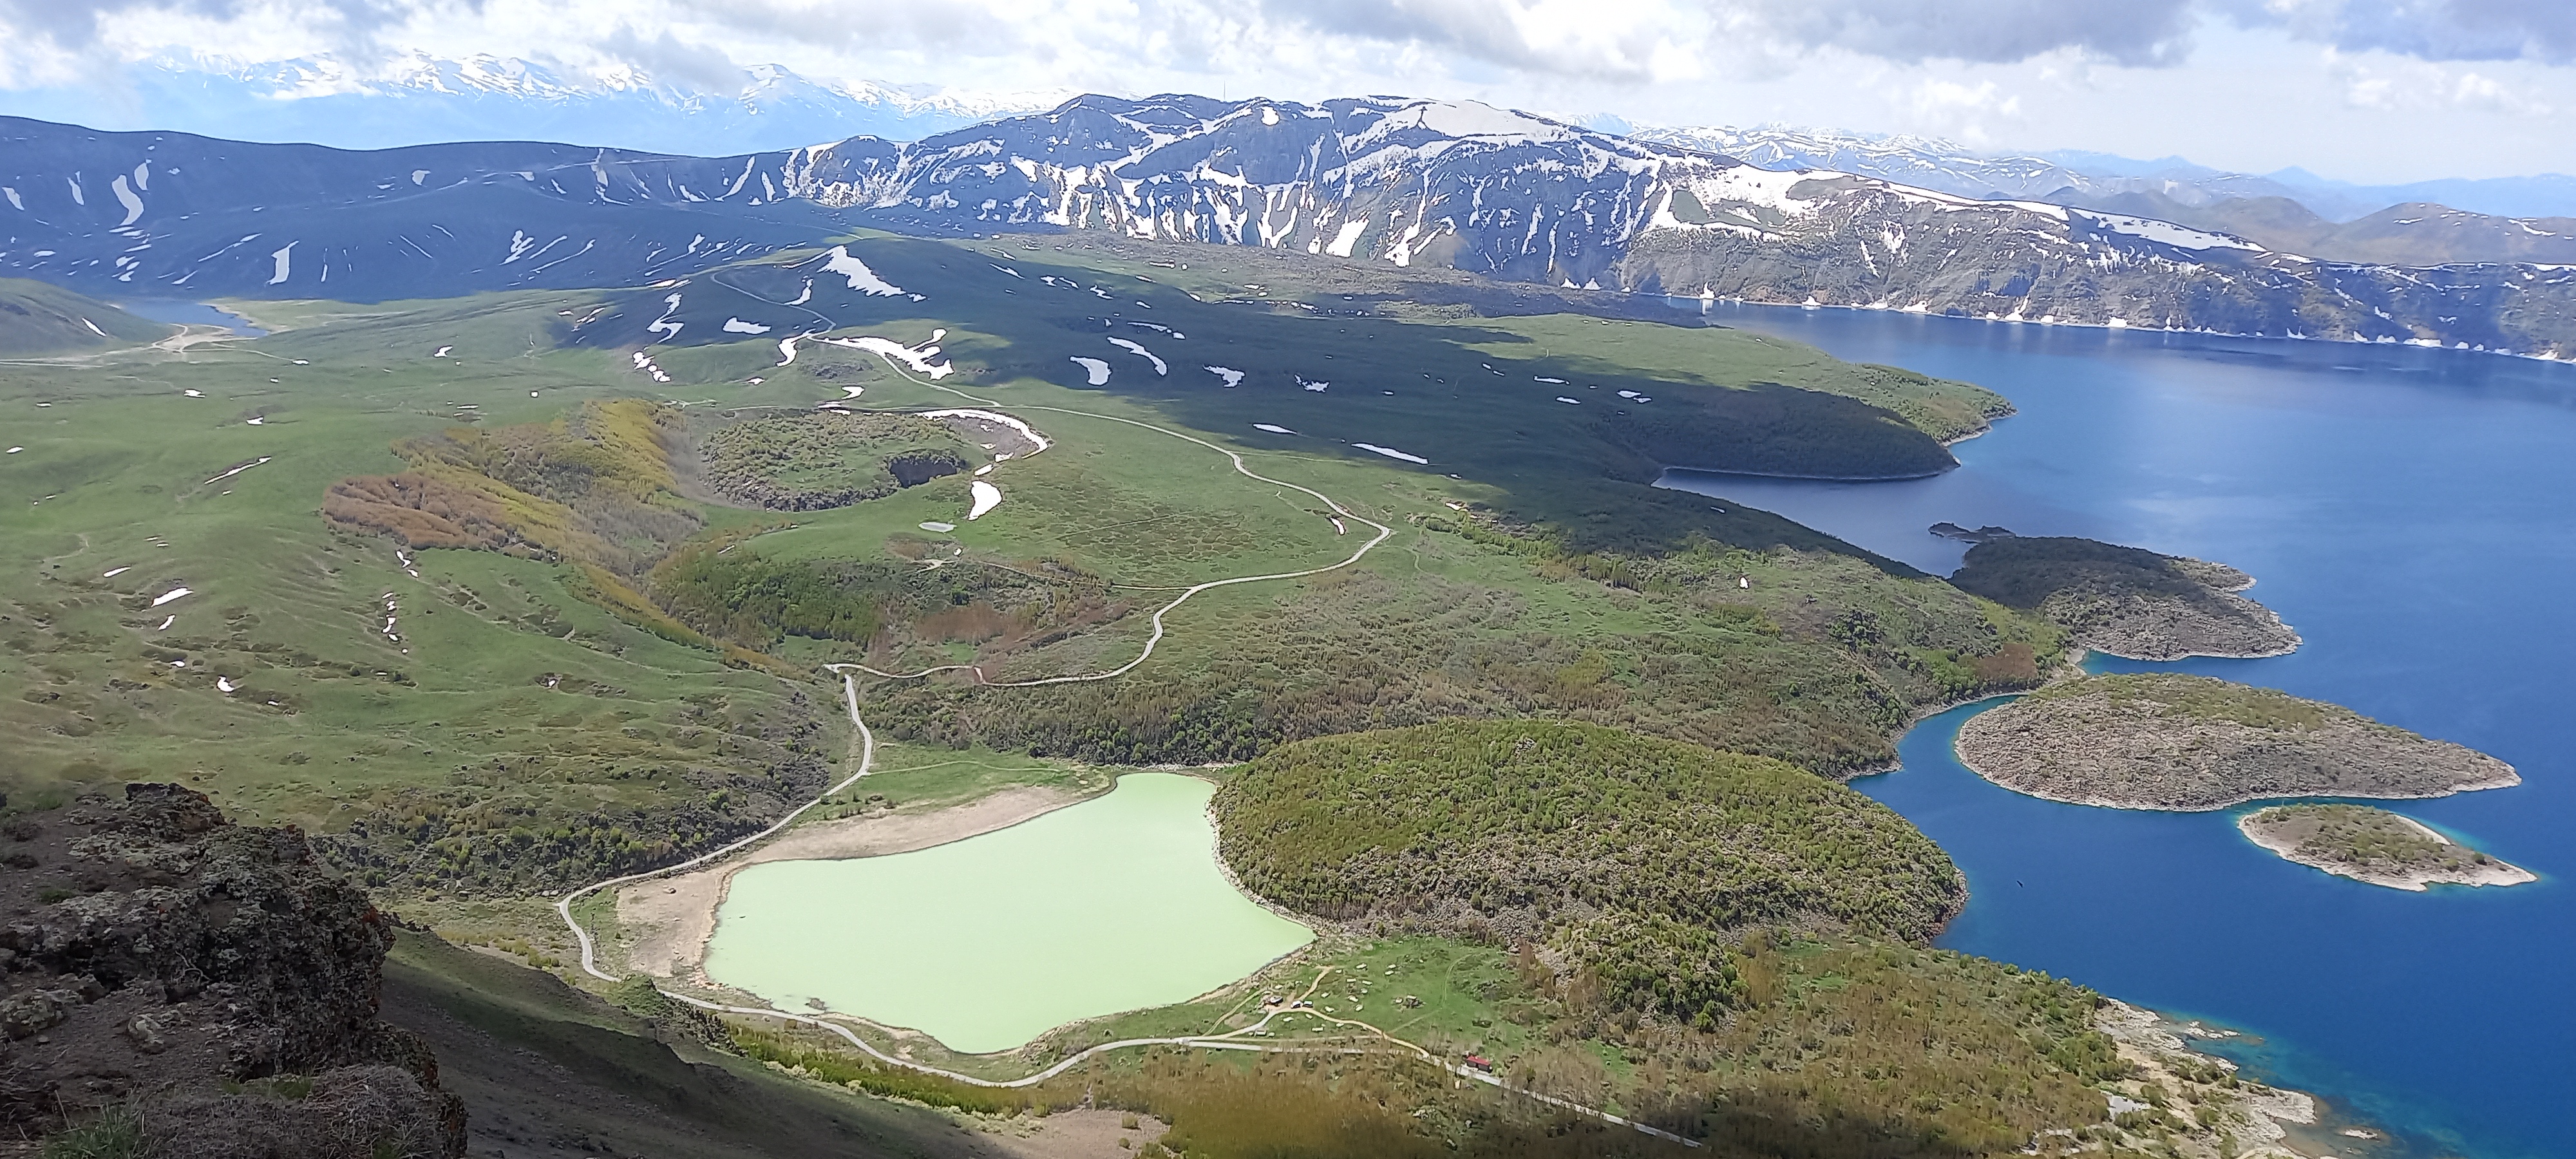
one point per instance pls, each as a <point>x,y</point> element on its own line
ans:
<point>2166,741</point>
<point>2373,845</point>
<point>2127,601</point>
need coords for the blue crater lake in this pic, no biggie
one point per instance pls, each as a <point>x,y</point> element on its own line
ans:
<point>196,313</point>
<point>2408,511</point>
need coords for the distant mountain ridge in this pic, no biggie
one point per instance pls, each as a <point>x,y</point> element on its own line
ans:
<point>1949,167</point>
<point>423,99</point>
<point>1378,179</point>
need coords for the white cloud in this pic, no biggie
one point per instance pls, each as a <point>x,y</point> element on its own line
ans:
<point>2383,83</point>
<point>2329,82</point>
<point>1962,111</point>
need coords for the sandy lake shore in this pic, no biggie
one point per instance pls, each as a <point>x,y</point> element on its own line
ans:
<point>669,920</point>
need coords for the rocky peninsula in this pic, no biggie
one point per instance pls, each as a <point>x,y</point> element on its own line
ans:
<point>2125,601</point>
<point>2374,845</point>
<point>2188,743</point>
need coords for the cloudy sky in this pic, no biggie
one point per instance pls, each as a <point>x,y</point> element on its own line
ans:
<point>2365,90</point>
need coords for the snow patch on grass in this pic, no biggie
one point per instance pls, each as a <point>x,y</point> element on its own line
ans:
<point>916,357</point>
<point>862,279</point>
<point>1139,350</point>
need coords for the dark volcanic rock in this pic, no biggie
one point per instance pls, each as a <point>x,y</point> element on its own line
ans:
<point>207,976</point>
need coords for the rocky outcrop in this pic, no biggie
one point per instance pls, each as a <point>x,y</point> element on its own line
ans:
<point>2125,601</point>
<point>207,983</point>
<point>2187,743</point>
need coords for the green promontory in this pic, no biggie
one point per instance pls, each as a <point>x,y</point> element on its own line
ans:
<point>2374,845</point>
<point>1634,860</point>
<point>36,318</point>
<point>2188,743</point>
<point>2127,601</point>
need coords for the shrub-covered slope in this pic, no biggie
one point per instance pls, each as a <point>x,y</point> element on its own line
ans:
<point>827,459</point>
<point>1635,859</point>
<point>2127,601</point>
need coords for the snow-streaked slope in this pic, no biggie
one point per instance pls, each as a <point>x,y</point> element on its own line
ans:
<point>163,215</point>
<point>1379,180</point>
<point>2076,176</point>
<point>1521,197</point>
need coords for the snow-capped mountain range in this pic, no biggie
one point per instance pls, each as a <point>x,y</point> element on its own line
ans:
<point>1382,180</point>
<point>2077,176</point>
<point>421,99</point>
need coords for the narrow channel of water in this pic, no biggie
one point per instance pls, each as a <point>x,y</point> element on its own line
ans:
<point>1114,904</point>
<point>2407,511</point>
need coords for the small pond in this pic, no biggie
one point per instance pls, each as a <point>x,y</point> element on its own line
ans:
<point>1114,904</point>
<point>193,313</point>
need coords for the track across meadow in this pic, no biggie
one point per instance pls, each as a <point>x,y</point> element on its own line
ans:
<point>1231,1040</point>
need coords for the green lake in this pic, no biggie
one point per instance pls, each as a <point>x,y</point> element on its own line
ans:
<point>1111,905</point>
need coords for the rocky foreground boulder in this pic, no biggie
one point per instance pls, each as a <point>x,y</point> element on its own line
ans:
<point>177,985</point>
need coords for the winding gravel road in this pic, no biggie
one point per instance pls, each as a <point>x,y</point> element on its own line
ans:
<point>1231,1040</point>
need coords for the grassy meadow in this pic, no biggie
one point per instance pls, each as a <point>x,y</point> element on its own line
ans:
<point>470,730</point>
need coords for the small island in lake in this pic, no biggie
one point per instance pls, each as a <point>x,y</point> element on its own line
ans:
<point>2126,601</point>
<point>2374,845</point>
<point>2188,743</point>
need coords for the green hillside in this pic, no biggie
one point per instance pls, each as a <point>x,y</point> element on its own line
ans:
<point>1640,860</point>
<point>36,318</point>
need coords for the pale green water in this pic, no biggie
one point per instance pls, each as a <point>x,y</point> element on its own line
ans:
<point>1114,904</point>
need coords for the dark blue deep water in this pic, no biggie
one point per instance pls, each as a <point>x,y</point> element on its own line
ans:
<point>2413,514</point>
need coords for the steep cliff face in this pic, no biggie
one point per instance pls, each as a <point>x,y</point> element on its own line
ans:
<point>202,986</point>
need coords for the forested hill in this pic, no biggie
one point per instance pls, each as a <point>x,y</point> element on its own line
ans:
<point>1641,859</point>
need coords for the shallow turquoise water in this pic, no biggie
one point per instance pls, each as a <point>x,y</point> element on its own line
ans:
<point>1114,904</point>
<point>2406,510</point>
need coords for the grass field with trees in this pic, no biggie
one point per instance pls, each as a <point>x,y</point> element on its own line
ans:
<point>1628,867</point>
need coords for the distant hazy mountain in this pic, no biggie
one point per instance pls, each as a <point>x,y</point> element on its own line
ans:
<point>429,100</point>
<point>1951,168</point>
<point>2414,234</point>
<point>1377,179</point>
